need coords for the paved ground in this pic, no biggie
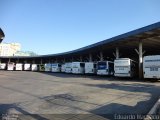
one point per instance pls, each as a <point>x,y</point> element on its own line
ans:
<point>66,96</point>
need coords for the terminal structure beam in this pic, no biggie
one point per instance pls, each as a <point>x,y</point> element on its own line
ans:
<point>33,61</point>
<point>101,56</point>
<point>41,61</point>
<point>90,57</point>
<point>117,52</point>
<point>140,59</point>
<point>80,59</point>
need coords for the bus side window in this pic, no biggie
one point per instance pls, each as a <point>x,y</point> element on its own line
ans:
<point>95,66</point>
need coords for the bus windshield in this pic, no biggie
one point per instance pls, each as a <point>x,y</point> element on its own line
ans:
<point>102,65</point>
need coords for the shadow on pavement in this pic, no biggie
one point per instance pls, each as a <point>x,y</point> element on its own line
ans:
<point>141,108</point>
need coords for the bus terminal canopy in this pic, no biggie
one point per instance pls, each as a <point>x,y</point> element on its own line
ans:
<point>1,35</point>
<point>127,44</point>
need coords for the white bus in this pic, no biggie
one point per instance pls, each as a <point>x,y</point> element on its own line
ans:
<point>19,66</point>
<point>10,66</point>
<point>105,68</point>
<point>151,66</point>
<point>56,67</point>
<point>34,67</point>
<point>63,68</point>
<point>27,66</point>
<point>48,67</point>
<point>90,68</point>
<point>68,67</point>
<point>78,67</point>
<point>125,67</point>
<point>3,66</point>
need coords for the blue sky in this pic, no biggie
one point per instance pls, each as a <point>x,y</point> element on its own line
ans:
<point>54,26</point>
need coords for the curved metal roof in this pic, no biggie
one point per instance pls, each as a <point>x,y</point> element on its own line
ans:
<point>144,33</point>
<point>1,35</point>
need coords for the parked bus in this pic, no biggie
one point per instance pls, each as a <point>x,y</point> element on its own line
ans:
<point>151,66</point>
<point>19,66</point>
<point>27,66</point>
<point>63,68</point>
<point>3,66</point>
<point>78,67</point>
<point>48,67</point>
<point>10,66</point>
<point>34,67</point>
<point>90,68</point>
<point>68,67</point>
<point>56,67</point>
<point>125,67</point>
<point>105,68</point>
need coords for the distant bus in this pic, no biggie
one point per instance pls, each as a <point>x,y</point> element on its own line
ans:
<point>151,66</point>
<point>63,68</point>
<point>3,66</point>
<point>78,67</point>
<point>34,67</point>
<point>90,68</point>
<point>105,68</point>
<point>125,67</point>
<point>19,66</point>
<point>68,67</point>
<point>10,66</point>
<point>48,67</point>
<point>27,66</point>
<point>56,67</point>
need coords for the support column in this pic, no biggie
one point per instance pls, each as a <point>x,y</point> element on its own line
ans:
<point>25,61</point>
<point>80,59</point>
<point>72,59</point>
<point>41,61</point>
<point>140,60</point>
<point>64,60</point>
<point>33,61</point>
<point>9,60</point>
<point>17,60</point>
<point>101,56</point>
<point>117,52</point>
<point>90,57</point>
<point>56,60</point>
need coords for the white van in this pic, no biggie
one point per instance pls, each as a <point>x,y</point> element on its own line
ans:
<point>90,68</point>
<point>3,66</point>
<point>151,66</point>
<point>10,66</point>
<point>27,66</point>
<point>105,68</point>
<point>68,67</point>
<point>48,67</point>
<point>78,67</point>
<point>56,67</point>
<point>34,67</point>
<point>125,67</point>
<point>19,66</point>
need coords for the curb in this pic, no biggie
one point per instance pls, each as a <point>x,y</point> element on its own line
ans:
<point>153,110</point>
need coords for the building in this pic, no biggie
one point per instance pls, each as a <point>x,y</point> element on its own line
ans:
<point>9,49</point>
<point>25,53</point>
